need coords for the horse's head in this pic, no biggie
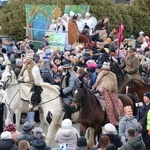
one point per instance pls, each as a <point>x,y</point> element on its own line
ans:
<point>7,76</point>
<point>114,67</point>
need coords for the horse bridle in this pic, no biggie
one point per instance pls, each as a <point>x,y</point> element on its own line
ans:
<point>5,83</point>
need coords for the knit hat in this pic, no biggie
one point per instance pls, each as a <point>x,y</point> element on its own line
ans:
<point>110,128</point>
<point>147,94</point>
<point>27,126</point>
<point>57,75</point>
<point>18,61</point>
<point>63,146</point>
<point>10,127</point>
<point>6,135</point>
<point>81,142</point>
<point>67,123</point>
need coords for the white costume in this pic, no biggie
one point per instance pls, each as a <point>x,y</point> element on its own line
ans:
<point>90,22</point>
<point>80,24</point>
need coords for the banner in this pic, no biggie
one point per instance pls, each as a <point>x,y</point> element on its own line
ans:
<point>82,9</point>
<point>57,40</point>
<point>38,19</point>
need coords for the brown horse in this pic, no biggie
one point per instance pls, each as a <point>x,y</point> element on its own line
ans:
<point>91,112</point>
<point>137,88</point>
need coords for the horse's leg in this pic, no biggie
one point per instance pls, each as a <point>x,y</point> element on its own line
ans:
<point>82,129</point>
<point>9,116</point>
<point>52,129</point>
<point>41,113</point>
<point>18,116</point>
<point>90,142</point>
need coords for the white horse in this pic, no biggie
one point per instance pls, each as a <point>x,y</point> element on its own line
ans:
<point>50,102</point>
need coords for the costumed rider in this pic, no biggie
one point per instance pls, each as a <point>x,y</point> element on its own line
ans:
<point>106,85</point>
<point>29,76</point>
<point>67,86</point>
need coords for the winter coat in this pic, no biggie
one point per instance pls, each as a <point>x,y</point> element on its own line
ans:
<point>126,122</point>
<point>93,79</point>
<point>67,85</point>
<point>39,144</point>
<point>67,135</point>
<point>131,65</point>
<point>26,135</point>
<point>134,143</point>
<point>8,144</point>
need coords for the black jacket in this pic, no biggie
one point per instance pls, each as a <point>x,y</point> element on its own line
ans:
<point>8,144</point>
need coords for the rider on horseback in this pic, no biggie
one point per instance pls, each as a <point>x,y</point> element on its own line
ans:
<point>29,76</point>
<point>67,85</point>
<point>106,85</point>
<point>131,65</point>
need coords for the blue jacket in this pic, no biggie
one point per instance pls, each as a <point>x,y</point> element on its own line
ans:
<point>93,79</point>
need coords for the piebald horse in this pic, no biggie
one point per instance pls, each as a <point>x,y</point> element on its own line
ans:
<point>50,103</point>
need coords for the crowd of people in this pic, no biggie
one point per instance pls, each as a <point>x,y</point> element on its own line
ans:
<point>88,64</point>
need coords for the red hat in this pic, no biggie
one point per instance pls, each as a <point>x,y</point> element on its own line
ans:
<point>10,127</point>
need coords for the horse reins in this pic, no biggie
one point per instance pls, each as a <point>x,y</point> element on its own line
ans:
<point>46,101</point>
<point>11,101</point>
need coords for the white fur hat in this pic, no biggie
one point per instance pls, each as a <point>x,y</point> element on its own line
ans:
<point>87,14</point>
<point>67,123</point>
<point>110,128</point>
<point>141,32</point>
<point>71,13</point>
<point>6,135</point>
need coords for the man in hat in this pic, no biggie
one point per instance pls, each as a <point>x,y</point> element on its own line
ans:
<point>106,85</point>
<point>130,65</point>
<point>29,76</point>
<point>67,85</point>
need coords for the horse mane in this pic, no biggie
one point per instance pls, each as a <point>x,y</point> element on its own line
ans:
<point>49,86</point>
<point>145,84</point>
<point>89,93</point>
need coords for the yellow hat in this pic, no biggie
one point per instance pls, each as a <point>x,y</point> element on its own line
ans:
<point>108,40</point>
<point>106,50</point>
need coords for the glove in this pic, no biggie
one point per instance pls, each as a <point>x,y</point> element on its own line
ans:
<point>125,71</point>
<point>61,92</point>
<point>21,81</point>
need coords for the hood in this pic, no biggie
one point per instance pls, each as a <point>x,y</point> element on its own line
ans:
<point>6,144</point>
<point>137,143</point>
<point>39,143</point>
<point>67,133</point>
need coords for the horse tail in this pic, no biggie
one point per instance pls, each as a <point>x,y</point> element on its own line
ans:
<point>134,100</point>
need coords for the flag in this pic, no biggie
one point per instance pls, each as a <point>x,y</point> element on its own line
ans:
<point>120,34</point>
